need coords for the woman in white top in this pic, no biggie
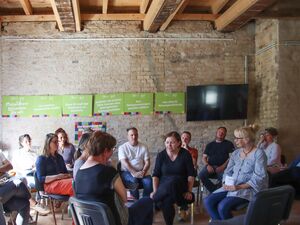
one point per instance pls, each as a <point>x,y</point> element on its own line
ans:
<point>272,149</point>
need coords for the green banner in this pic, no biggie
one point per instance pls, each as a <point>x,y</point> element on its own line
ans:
<point>46,106</point>
<point>77,105</point>
<point>16,106</point>
<point>170,102</point>
<point>138,103</point>
<point>108,104</point>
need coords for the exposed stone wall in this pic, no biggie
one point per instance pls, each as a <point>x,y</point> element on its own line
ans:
<point>277,79</point>
<point>110,57</point>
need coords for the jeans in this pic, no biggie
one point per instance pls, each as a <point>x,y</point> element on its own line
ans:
<point>219,206</point>
<point>205,176</point>
<point>15,197</point>
<point>133,184</point>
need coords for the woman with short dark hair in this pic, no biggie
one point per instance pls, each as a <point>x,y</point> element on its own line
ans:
<point>173,177</point>
<point>96,181</point>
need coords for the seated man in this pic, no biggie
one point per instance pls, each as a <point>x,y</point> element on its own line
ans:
<point>135,162</point>
<point>215,159</point>
<point>290,176</point>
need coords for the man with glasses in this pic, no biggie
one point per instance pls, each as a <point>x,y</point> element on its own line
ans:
<point>135,162</point>
<point>215,159</point>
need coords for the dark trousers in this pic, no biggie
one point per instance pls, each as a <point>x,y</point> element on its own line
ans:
<point>205,176</point>
<point>289,176</point>
<point>170,191</point>
<point>141,212</point>
<point>15,197</point>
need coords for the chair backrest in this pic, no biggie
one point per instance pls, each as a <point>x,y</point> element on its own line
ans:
<point>90,212</point>
<point>270,206</point>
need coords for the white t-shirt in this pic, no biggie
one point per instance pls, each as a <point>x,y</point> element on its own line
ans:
<point>136,155</point>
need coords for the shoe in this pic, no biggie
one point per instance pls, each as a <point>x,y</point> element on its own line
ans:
<point>40,210</point>
<point>182,215</point>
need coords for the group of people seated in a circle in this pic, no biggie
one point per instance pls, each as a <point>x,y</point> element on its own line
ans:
<point>241,170</point>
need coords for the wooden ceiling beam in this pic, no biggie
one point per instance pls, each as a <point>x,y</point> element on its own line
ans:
<point>158,12</point>
<point>113,16</point>
<point>196,17</point>
<point>144,6</point>
<point>76,12</point>
<point>104,6</point>
<point>218,5</point>
<point>241,12</point>
<point>170,18</point>
<point>56,14</point>
<point>26,5</point>
<point>31,18</point>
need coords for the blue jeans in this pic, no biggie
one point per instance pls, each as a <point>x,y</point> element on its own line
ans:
<point>15,197</point>
<point>204,176</point>
<point>219,206</point>
<point>133,184</point>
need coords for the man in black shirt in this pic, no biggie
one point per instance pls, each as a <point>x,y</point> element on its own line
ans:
<point>215,159</point>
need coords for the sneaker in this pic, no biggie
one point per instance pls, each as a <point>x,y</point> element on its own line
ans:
<point>182,215</point>
<point>40,210</point>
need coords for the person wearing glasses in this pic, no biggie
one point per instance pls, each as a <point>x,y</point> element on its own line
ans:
<point>215,159</point>
<point>51,170</point>
<point>135,162</point>
<point>96,181</point>
<point>245,175</point>
<point>272,149</point>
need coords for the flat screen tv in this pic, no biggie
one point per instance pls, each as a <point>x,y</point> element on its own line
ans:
<point>217,102</point>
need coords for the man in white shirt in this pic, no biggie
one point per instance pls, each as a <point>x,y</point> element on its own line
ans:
<point>135,162</point>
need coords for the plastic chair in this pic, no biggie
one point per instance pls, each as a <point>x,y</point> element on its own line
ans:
<point>268,207</point>
<point>41,194</point>
<point>90,212</point>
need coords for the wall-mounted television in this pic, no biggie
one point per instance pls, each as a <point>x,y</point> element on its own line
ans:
<point>217,102</point>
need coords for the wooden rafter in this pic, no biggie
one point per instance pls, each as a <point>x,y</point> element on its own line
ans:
<point>240,13</point>
<point>76,12</point>
<point>56,14</point>
<point>143,6</point>
<point>183,6</point>
<point>217,6</point>
<point>158,13</point>
<point>26,7</point>
<point>104,6</point>
<point>170,18</point>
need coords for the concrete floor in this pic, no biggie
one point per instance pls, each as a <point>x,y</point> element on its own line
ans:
<point>201,218</point>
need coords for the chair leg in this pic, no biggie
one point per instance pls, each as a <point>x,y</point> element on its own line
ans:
<point>53,210</point>
<point>192,213</point>
<point>197,195</point>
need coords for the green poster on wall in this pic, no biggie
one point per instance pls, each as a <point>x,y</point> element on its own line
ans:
<point>46,106</point>
<point>170,102</point>
<point>16,106</point>
<point>138,103</point>
<point>77,105</point>
<point>108,104</point>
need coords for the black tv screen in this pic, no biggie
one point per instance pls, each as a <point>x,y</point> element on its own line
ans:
<point>217,102</point>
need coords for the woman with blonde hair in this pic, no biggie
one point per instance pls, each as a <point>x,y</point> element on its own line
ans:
<point>245,175</point>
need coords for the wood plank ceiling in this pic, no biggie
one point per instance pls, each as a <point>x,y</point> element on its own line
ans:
<point>155,15</point>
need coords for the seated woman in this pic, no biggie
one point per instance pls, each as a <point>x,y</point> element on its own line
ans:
<point>24,159</point>
<point>272,149</point>
<point>173,177</point>
<point>96,181</point>
<point>65,148</point>
<point>247,168</point>
<point>51,170</point>
<point>81,154</point>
